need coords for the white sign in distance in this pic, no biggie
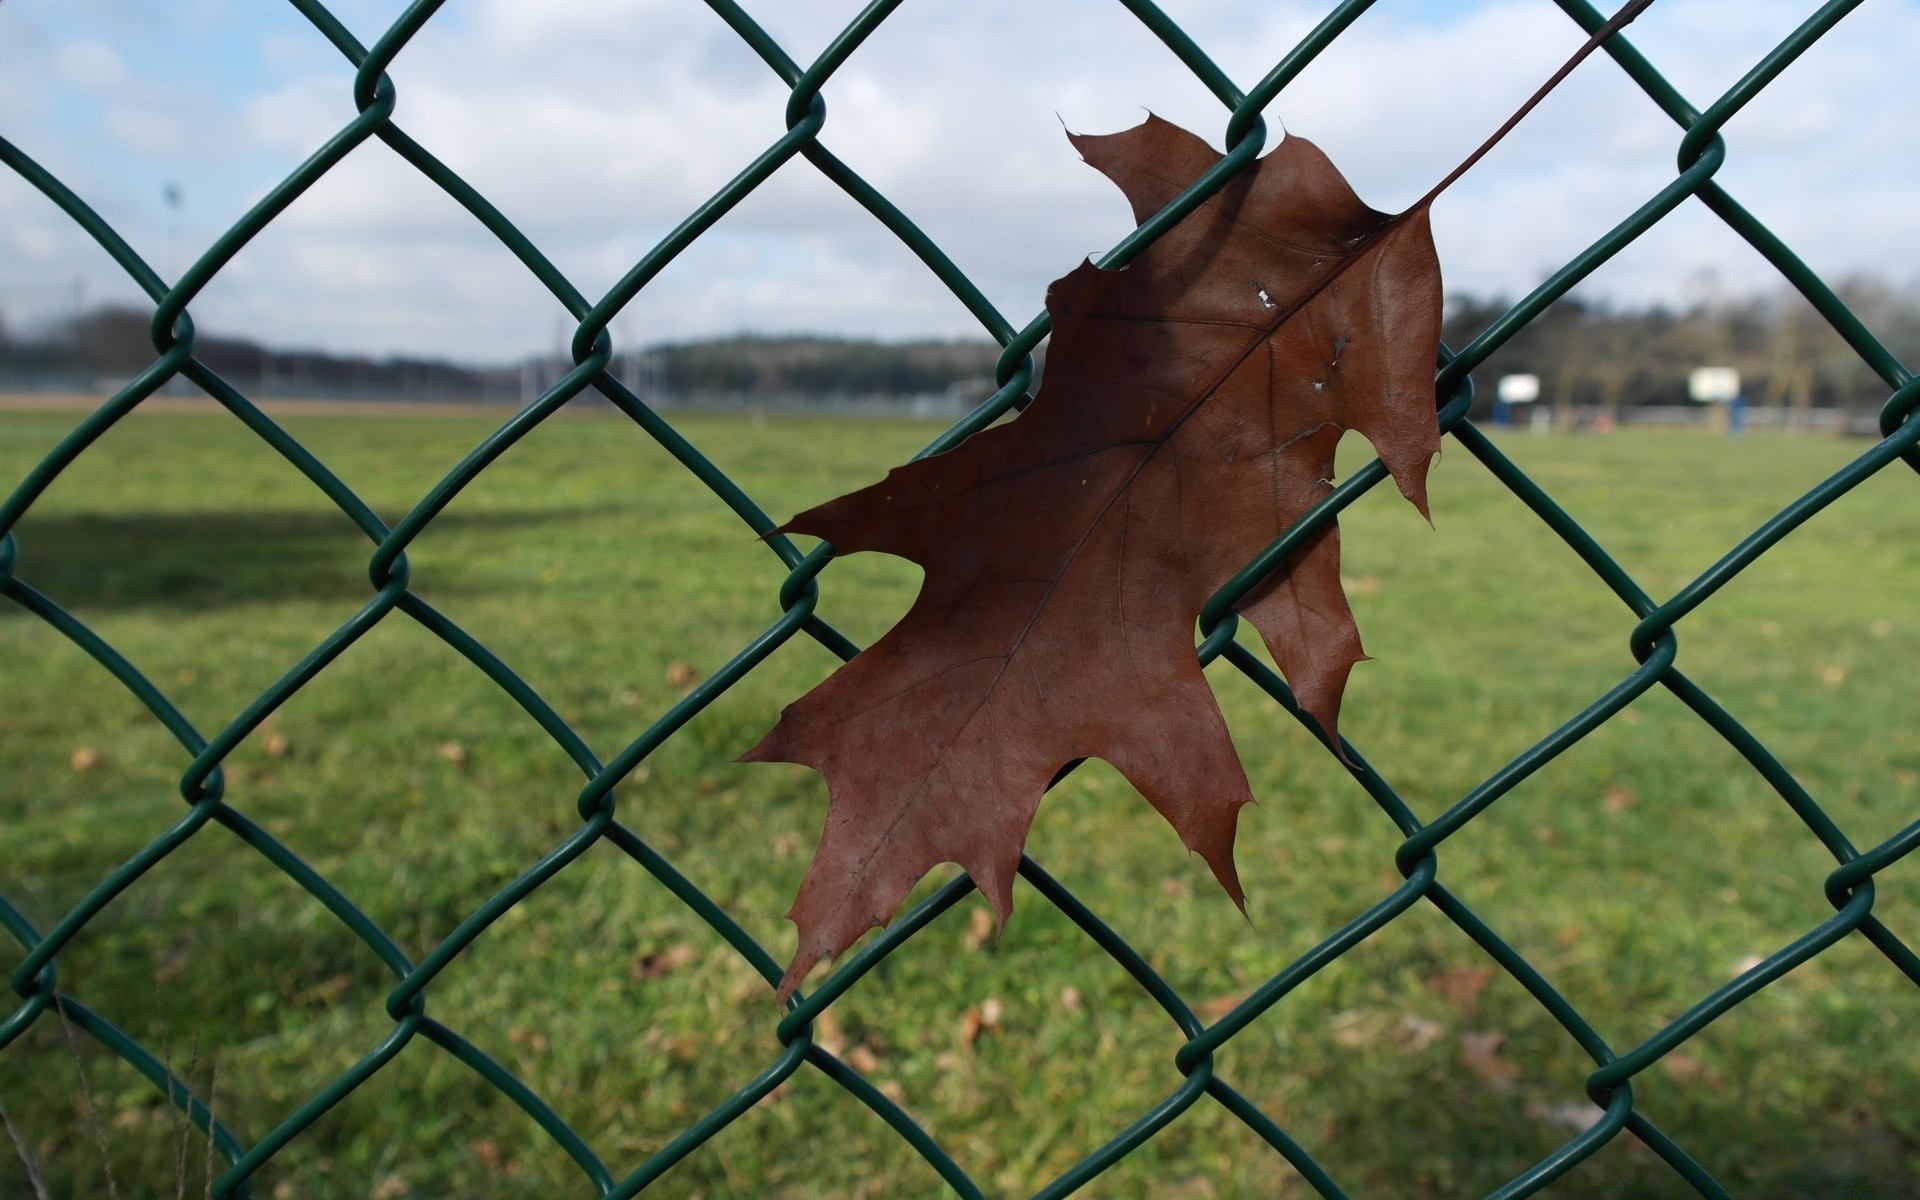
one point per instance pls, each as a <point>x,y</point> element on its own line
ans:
<point>1518,389</point>
<point>1713,385</point>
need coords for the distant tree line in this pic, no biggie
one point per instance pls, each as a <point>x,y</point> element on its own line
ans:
<point>817,366</point>
<point>108,346</point>
<point>1585,354</point>
<point>1786,353</point>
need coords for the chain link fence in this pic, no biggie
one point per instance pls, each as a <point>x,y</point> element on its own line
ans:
<point>1194,1076</point>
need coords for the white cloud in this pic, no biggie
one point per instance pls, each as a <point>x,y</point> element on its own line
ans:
<point>296,116</point>
<point>596,128</point>
<point>89,63</point>
<point>145,130</point>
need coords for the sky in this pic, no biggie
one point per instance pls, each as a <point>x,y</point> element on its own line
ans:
<point>597,125</point>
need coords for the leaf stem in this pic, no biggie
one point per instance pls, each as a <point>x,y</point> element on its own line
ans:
<point>1613,25</point>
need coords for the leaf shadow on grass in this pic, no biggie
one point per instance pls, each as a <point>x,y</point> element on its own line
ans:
<point>197,561</point>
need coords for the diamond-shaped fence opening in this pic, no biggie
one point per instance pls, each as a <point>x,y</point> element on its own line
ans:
<point>1200,1031</point>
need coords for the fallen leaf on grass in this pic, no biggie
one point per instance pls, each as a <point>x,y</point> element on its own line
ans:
<point>86,758</point>
<point>827,1033</point>
<point>979,929</point>
<point>1220,1006</point>
<point>1574,1116</point>
<point>1480,1053</point>
<point>1417,1033</point>
<point>1688,1069</point>
<point>681,675</point>
<point>662,962</point>
<point>980,1019</point>
<point>453,752</point>
<point>1354,1028</point>
<point>1190,411</point>
<point>532,1039</point>
<point>1460,986</point>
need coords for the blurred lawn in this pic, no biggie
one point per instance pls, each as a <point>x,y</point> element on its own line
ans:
<point>1636,872</point>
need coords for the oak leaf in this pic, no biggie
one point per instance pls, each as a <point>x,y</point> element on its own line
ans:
<point>1190,411</point>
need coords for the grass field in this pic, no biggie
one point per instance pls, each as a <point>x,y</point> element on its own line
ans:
<point>1636,872</point>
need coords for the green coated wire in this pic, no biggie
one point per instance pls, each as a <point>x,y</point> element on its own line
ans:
<point>1652,641</point>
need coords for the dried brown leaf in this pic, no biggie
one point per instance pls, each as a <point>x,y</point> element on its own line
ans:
<point>1191,408</point>
<point>1189,414</point>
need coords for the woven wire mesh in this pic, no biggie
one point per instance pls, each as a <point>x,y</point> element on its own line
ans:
<point>1193,1075</point>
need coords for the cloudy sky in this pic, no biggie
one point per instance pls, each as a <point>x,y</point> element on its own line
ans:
<point>597,124</point>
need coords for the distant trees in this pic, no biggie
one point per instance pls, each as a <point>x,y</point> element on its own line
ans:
<point>107,346</point>
<point>1585,354</point>
<point>1785,352</point>
<point>817,366</point>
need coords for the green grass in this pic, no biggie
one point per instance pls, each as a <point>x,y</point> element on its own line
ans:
<point>1635,871</point>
